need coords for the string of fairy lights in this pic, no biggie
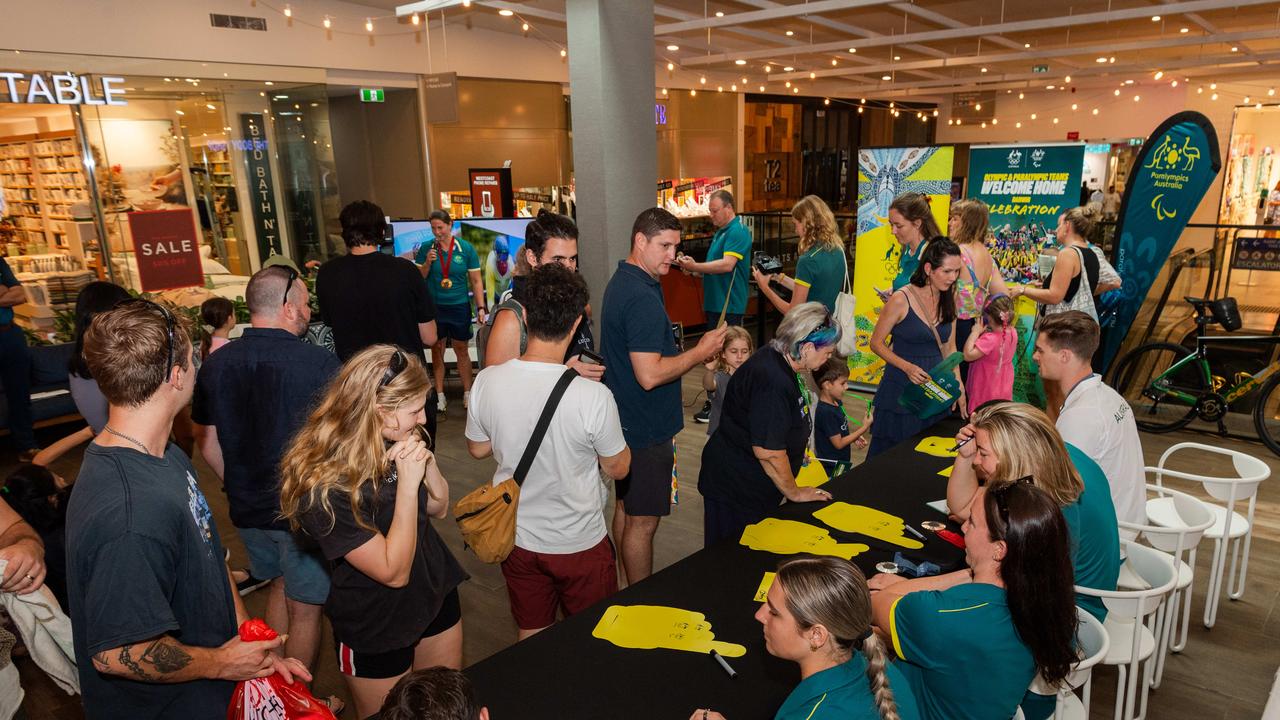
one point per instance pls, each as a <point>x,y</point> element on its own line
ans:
<point>1093,104</point>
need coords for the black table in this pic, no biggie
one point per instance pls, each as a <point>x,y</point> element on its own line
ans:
<point>564,672</point>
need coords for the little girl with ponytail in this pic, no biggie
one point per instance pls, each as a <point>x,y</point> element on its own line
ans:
<point>990,353</point>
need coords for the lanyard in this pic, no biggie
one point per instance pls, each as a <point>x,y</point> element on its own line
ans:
<point>804,393</point>
<point>847,418</point>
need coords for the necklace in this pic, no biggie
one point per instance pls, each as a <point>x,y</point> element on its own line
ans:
<point>126,437</point>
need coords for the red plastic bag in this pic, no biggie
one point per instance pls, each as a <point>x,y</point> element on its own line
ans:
<point>271,698</point>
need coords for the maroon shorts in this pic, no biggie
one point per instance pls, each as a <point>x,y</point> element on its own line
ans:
<point>540,583</point>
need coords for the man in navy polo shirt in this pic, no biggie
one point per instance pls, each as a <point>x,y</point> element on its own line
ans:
<point>644,371</point>
<point>15,365</point>
<point>251,397</point>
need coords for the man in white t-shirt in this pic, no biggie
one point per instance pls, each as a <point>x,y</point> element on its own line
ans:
<point>1093,417</point>
<point>563,559</point>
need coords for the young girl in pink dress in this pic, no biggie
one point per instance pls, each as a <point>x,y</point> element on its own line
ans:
<point>989,352</point>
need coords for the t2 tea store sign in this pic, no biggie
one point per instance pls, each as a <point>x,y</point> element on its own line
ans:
<point>167,249</point>
<point>266,218</point>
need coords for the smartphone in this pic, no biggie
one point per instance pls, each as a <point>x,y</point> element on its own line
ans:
<point>590,357</point>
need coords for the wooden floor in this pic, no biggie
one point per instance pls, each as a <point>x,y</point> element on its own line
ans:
<point>1224,673</point>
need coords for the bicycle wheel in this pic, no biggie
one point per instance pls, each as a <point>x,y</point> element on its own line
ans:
<point>1163,405</point>
<point>1266,414</point>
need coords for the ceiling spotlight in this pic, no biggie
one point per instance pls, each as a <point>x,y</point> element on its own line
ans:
<point>1050,87</point>
<point>826,101</point>
<point>1184,30</point>
<point>1112,59</point>
<point>1136,98</point>
<point>1155,18</point>
<point>417,20</point>
<point>1074,106</point>
<point>1271,92</point>
<point>1100,60</point>
<point>703,79</point>
<point>739,62</point>
<point>211,106</point>
<point>1033,116</point>
<point>1095,111</point>
<point>950,121</point>
<point>1017,124</point>
<point>288,11</point>
<point>959,121</point>
<point>761,88</point>
<point>1213,86</point>
<point>853,50</point>
<point>1173,84</point>
<point>733,88</point>
<point>984,125</point>
<point>789,33</point>
<point>328,23</point>
<point>885,77</point>
<point>368,24</point>
<point>719,88</point>
<point>833,62</point>
<point>268,83</point>
<point>768,68</point>
<point>935,112</point>
<point>994,121</point>
<point>693,93</point>
<point>788,83</point>
<point>1213,96</point>
<point>1067,79</point>
<point>1128,82</point>
<point>506,13</point>
<point>1159,74</point>
<point>813,76</point>
<point>564,53</point>
<point>795,89</point>
<point>744,81</point>
<point>1055,121</point>
<point>672,48</point>
<point>1020,96</point>
<point>1117,92</point>
<point>1026,45</point>
<point>179,112</point>
<point>984,69</point>
<point>1235,48</point>
<point>719,14</point>
<point>1199,91</point>
<point>670,66</point>
<point>977,106</point>
<point>1246,100</point>
<point>897,58</point>
<point>524,27</point>
<point>891,104</point>
<point>788,69</point>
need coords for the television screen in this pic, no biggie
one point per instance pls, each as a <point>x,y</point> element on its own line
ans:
<point>497,243</point>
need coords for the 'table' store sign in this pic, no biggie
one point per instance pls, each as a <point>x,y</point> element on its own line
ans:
<point>60,89</point>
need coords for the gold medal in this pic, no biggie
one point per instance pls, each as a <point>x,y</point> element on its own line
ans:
<point>446,283</point>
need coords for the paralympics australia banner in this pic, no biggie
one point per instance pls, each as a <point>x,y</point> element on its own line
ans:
<point>884,174</point>
<point>1026,188</point>
<point>1175,168</point>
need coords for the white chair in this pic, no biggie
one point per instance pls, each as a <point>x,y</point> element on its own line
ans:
<point>1195,518</point>
<point>1133,624</point>
<point>1093,645</point>
<point>1230,529</point>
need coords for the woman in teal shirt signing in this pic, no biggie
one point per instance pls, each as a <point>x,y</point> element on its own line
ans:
<point>822,268</point>
<point>969,651</point>
<point>818,614</point>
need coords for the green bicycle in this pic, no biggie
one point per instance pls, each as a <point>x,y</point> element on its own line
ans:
<point>1169,385</point>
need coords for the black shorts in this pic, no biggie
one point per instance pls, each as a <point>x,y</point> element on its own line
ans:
<point>453,322</point>
<point>397,662</point>
<point>646,490</point>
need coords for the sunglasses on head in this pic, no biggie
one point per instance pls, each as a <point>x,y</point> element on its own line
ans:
<point>1002,497</point>
<point>288,285</point>
<point>395,365</point>
<point>171,323</point>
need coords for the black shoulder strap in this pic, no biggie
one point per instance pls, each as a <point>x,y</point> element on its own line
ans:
<point>526,460</point>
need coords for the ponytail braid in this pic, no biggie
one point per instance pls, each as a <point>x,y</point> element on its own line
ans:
<point>877,660</point>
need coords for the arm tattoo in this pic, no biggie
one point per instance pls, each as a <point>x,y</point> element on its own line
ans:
<point>132,666</point>
<point>166,657</point>
<point>100,662</point>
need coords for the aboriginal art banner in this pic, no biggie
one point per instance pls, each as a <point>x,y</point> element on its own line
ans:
<point>1171,175</point>
<point>884,174</point>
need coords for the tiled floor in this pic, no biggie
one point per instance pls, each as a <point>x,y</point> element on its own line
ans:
<point>1225,673</point>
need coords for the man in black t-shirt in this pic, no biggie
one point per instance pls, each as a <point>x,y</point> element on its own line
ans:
<point>368,297</point>
<point>153,608</point>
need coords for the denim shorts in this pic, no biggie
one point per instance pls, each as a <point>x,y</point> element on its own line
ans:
<point>273,553</point>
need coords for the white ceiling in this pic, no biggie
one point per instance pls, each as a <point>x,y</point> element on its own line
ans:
<point>937,47</point>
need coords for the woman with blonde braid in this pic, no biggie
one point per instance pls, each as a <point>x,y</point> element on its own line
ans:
<point>818,614</point>
<point>360,479</point>
<point>820,271</point>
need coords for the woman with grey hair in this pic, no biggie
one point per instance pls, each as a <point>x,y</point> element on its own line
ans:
<point>750,463</point>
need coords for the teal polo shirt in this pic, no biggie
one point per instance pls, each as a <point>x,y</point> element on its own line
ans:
<point>8,279</point>
<point>463,260</point>
<point>1095,536</point>
<point>733,240</point>
<point>907,264</point>
<point>960,653</point>
<point>844,693</point>
<point>822,271</point>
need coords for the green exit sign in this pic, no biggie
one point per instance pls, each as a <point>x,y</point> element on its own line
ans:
<point>372,95</point>
<point>1040,68</point>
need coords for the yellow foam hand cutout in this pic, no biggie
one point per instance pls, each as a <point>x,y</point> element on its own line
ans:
<point>937,446</point>
<point>946,471</point>
<point>646,627</point>
<point>762,593</point>
<point>788,537</point>
<point>867,521</point>
<point>812,473</point>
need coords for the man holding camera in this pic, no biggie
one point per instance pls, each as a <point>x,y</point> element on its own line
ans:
<point>725,273</point>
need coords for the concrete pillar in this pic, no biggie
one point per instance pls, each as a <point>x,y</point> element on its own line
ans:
<point>614,142</point>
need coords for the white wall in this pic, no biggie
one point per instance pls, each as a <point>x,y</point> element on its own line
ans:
<point>181,30</point>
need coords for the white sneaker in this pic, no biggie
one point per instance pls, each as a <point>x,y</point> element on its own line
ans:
<point>440,403</point>
<point>466,399</point>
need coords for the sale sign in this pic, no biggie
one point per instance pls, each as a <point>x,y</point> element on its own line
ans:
<point>167,249</point>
